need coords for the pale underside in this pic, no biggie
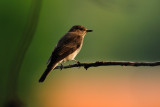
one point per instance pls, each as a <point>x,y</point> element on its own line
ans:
<point>71,56</point>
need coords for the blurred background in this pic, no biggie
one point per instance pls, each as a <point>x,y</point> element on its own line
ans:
<point>124,30</point>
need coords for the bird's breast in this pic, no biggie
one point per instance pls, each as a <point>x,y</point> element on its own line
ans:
<point>73,55</point>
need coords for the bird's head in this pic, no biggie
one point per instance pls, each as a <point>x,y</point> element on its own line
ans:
<point>79,29</point>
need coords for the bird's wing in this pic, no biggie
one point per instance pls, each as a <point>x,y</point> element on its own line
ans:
<point>66,45</point>
<point>49,60</point>
<point>50,57</point>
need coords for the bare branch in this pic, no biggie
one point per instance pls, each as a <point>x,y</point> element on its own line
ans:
<point>111,63</point>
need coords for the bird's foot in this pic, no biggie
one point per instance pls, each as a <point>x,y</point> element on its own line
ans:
<point>78,63</point>
<point>61,67</point>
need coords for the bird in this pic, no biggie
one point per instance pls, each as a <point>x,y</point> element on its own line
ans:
<point>66,49</point>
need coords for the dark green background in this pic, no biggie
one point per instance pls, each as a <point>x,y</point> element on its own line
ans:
<point>124,30</point>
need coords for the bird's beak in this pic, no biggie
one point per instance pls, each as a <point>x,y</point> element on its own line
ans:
<point>89,30</point>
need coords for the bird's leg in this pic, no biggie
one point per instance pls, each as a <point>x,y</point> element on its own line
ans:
<point>77,62</point>
<point>61,67</point>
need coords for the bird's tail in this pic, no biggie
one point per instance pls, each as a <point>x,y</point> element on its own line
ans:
<point>49,68</point>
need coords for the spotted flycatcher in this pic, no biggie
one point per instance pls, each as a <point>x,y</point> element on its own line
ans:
<point>66,49</point>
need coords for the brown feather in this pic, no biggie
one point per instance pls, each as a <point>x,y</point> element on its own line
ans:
<point>66,46</point>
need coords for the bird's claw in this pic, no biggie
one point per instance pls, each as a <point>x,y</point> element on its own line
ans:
<point>78,63</point>
<point>61,67</point>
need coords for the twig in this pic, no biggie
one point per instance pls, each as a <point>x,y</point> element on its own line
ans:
<point>111,63</point>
